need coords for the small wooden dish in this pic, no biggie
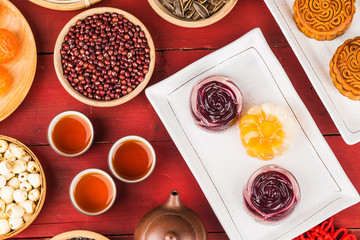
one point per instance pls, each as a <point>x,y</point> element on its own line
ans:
<point>78,234</point>
<point>65,5</point>
<point>41,200</point>
<point>22,68</point>
<point>170,17</point>
<point>65,83</point>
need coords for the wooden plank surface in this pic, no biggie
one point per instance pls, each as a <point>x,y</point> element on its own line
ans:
<point>176,48</point>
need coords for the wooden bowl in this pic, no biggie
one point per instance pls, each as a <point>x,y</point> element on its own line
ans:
<point>65,5</point>
<point>78,234</point>
<point>22,68</point>
<point>42,189</point>
<point>76,94</point>
<point>172,18</point>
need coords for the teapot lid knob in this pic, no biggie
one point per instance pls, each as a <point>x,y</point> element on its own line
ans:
<point>171,221</point>
<point>171,236</point>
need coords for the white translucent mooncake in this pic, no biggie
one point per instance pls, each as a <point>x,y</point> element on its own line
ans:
<point>267,131</point>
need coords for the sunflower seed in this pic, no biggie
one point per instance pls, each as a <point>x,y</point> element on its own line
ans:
<point>168,5</point>
<point>193,9</point>
<point>215,2</point>
<point>201,10</point>
<point>188,4</point>
<point>195,16</point>
<point>218,6</point>
<point>211,8</point>
<point>179,8</point>
<point>188,14</point>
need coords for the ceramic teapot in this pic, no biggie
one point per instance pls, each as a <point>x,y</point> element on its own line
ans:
<point>171,221</point>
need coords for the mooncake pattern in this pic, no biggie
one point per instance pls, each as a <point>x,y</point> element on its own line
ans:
<point>345,69</point>
<point>323,19</point>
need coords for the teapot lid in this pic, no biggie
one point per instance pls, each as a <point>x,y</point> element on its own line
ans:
<point>171,221</point>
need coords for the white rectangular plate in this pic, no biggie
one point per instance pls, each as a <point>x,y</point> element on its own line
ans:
<point>219,161</point>
<point>315,57</point>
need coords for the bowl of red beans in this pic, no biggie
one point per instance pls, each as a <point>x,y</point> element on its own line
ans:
<point>104,57</point>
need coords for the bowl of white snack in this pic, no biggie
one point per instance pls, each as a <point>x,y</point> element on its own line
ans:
<point>22,187</point>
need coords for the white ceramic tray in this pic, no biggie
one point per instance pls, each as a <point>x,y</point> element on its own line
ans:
<point>220,163</point>
<point>315,57</point>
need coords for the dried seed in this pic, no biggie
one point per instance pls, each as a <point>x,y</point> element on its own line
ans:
<point>201,10</point>
<point>188,4</point>
<point>193,9</point>
<point>195,16</point>
<point>167,5</point>
<point>215,2</point>
<point>179,8</point>
<point>189,13</point>
<point>218,6</point>
<point>211,8</point>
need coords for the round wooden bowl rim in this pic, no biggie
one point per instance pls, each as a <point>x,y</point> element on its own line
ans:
<point>168,16</point>
<point>20,95</point>
<point>42,193</point>
<point>59,70</point>
<point>63,6</point>
<point>79,233</point>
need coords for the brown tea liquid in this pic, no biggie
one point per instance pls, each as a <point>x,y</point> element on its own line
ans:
<point>71,134</point>
<point>93,192</point>
<point>132,160</point>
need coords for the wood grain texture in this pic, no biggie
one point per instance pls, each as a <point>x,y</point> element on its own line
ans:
<point>22,67</point>
<point>348,157</point>
<point>245,16</point>
<point>176,48</point>
<point>35,116</point>
<point>133,201</point>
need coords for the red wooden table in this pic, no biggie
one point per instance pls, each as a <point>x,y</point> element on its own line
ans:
<point>176,47</point>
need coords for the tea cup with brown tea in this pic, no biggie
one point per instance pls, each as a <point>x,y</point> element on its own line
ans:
<point>131,159</point>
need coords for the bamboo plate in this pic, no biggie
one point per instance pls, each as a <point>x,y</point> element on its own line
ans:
<point>65,5</point>
<point>42,189</point>
<point>59,69</point>
<point>23,67</point>
<point>78,234</point>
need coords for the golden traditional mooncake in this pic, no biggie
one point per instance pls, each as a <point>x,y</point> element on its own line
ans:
<point>323,19</point>
<point>345,69</point>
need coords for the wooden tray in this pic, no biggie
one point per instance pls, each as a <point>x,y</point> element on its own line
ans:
<point>23,67</point>
<point>65,5</point>
<point>42,189</point>
<point>79,233</point>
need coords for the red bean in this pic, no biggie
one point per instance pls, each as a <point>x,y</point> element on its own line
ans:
<point>105,56</point>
